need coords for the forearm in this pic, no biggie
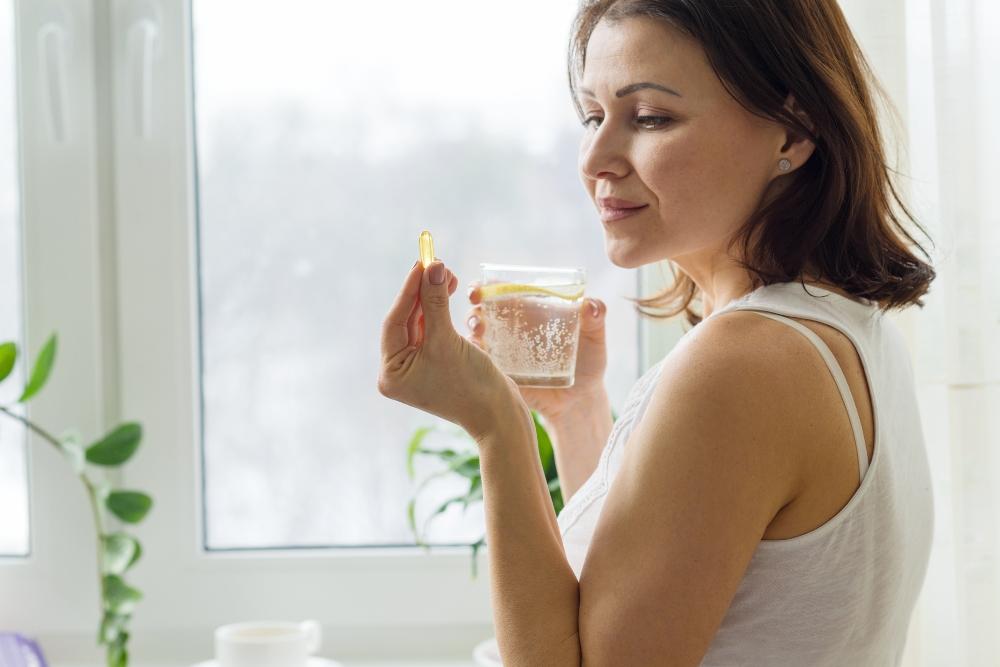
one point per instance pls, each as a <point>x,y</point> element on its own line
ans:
<point>535,593</point>
<point>577,440</point>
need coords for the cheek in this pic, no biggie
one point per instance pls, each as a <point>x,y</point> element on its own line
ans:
<point>708,180</point>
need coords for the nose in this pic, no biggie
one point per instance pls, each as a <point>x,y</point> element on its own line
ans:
<point>603,155</point>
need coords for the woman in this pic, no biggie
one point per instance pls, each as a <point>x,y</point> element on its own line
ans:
<point>764,498</point>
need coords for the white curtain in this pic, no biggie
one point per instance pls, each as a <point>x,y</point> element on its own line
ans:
<point>954,110</point>
<point>940,61</point>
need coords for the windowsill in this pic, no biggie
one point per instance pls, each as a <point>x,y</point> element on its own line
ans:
<point>421,646</point>
<point>350,663</point>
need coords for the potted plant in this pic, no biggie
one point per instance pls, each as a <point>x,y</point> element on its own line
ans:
<point>117,551</point>
<point>465,463</point>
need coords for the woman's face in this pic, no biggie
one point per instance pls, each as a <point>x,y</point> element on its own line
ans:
<point>701,161</point>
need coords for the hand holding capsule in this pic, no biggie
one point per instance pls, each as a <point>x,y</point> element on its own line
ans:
<point>428,365</point>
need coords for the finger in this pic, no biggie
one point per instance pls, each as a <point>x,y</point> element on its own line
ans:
<point>413,323</point>
<point>474,322</point>
<point>475,296</point>
<point>434,298</point>
<point>592,316</point>
<point>395,329</point>
<point>417,322</point>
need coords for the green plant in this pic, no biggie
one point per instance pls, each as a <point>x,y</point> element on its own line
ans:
<point>117,551</point>
<point>465,463</point>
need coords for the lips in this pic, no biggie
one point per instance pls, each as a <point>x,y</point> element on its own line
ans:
<point>612,214</point>
<point>618,204</point>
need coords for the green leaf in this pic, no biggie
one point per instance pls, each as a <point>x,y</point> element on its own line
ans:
<point>443,454</point>
<point>129,506</point>
<point>43,366</point>
<point>545,451</point>
<point>112,625</point>
<point>120,551</point>
<point>476,546</point>
<point>555,492</point>
<point>467,467</point>
<point>474,493</point>
<point>414,446</point>
<point>136,555</point>
<point>441,508</point>
<point>116,447</point>
<point>117,653</point>
<point>412,505</point>
<point>8,355</point>
<point>464,463</point>
<point>119,597</point>
<point>411,519</point>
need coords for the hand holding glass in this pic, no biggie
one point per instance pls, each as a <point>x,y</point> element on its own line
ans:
<point>532,317</point>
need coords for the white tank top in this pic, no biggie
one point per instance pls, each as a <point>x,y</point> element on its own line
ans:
<point>841,594</point>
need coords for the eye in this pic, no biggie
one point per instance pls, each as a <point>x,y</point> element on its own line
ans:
<point>655,121</point>
<point>658,121</point>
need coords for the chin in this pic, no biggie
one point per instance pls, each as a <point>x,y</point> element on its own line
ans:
<point>627,255</point>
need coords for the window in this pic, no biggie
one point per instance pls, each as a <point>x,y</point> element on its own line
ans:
<point>313,185</point>
<point>14,540</point>
<point>183,295</point>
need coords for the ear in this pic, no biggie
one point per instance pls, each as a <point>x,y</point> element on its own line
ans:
<point>797,147</point>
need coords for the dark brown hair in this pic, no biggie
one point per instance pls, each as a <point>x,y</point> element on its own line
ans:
<point>835,219</point>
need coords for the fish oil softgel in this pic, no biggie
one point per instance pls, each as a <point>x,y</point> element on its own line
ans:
<point>426,248</point>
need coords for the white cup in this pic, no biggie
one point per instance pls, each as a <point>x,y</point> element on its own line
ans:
<point>266,643</point>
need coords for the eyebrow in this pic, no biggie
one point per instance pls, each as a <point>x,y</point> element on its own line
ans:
<point>631,88</point>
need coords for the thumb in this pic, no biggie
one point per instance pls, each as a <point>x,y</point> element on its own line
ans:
<point>434,299</point>
<point>592,318</point>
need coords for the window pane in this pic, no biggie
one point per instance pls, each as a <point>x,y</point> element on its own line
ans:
<point>13,468</point>
<point>329,136</point>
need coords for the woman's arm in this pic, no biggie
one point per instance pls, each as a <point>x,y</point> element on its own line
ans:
<point>426,364</point>
<point>536,596</point>
<point>578,437</point>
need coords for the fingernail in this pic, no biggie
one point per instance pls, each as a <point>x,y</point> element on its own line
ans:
<point>595,310</point>
<point>473,322</point>
<point>436,273</point>
<point>414,265</point>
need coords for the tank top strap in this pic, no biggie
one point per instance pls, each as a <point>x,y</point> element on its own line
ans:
<point>839,378</point>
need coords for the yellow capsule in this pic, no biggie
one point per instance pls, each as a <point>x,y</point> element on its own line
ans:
<point>426,248</point>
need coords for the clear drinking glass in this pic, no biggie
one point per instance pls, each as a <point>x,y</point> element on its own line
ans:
<point>532,318</point>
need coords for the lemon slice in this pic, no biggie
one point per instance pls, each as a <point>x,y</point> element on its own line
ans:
<point>502,289</point>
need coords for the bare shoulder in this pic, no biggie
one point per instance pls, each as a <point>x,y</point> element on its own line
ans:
<point>761,377</point>
<point>744,351</point>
